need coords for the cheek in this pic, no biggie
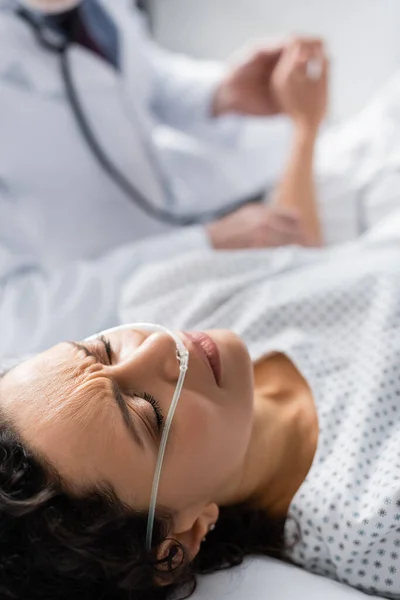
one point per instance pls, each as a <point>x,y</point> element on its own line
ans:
<point>207,446</point>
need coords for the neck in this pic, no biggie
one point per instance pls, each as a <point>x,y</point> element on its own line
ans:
<point>281,447</point>
<point>50,6</point>
<point>266,468</point>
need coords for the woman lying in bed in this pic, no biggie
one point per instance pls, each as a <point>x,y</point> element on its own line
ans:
<point>285,440</point>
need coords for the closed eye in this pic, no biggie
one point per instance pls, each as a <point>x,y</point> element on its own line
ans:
<point>108,348</point>
<point>156,407</point>
<point>145,396</point>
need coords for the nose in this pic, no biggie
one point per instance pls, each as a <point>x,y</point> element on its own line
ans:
<point>150,359</point>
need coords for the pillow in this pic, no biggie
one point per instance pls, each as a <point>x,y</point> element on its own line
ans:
<point>269,579</point>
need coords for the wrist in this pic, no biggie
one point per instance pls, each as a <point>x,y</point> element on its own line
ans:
<point>306,130</point>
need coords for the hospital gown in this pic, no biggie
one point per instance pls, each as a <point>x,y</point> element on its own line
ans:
<point>336,314</point>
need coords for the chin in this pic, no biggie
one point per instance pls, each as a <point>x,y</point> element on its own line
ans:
<point>237,367</point>
<point>231,341</point>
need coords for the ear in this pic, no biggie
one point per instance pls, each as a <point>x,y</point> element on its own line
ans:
<point>190,530</point>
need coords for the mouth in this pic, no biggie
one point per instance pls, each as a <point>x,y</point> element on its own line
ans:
<point>207,349</point>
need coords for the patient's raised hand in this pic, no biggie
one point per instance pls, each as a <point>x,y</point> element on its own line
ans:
<point>303,92</point>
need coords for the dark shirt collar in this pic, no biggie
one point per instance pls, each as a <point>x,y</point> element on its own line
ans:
<point>87,25</point>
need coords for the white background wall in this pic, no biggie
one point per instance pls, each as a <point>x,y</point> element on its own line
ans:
<point>363,35</point>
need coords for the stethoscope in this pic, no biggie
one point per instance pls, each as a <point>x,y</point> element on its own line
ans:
<point>57,42</point>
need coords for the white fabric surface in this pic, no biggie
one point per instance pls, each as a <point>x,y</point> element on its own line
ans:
<point>358,166</point>
<point>268,579</point>
<point>40,306</point>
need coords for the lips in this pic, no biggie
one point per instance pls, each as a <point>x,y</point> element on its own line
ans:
<point>208,351</point>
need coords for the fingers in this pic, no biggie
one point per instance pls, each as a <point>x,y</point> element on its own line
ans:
<point>257,226</point>
<point>317,69</point>
<point>268,54</point>
<point>304,55</point>
<point>273,50</point>
<point>312,43</point>
<point>306,49</point>
<point>314,69</point>
<point>278,238</point>
<point>274,237</point>
<point>310,61</point>
<point>260,52</point>
<point>280,234</point>
<point>286,220</point>
<point>279,227</point>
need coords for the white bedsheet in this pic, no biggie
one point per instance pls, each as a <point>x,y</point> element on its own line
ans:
<point>269,579</point>
<point>358,167</point>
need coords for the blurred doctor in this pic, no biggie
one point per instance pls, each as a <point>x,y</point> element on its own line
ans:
<point>172,128</point>
<point>171,125</point>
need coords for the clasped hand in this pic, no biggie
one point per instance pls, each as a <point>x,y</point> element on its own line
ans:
<point>270,80</point>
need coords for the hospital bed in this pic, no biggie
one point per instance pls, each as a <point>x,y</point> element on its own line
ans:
<point>269,579</point>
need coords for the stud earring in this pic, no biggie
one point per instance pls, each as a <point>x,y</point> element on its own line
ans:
<point>211,528</point>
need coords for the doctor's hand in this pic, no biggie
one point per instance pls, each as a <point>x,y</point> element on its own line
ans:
<point>246,88</point>
<point>256,226</point>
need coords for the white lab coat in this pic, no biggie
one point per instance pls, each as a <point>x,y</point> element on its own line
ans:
<point>56,203</point>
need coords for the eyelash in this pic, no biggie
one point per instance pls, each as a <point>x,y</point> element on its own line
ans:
<point>156,407</point>
<point>145,396</point>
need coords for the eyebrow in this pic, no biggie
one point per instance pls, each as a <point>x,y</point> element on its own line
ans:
<point>119,399</point>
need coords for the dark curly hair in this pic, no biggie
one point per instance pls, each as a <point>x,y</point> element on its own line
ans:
<point>57,546</point>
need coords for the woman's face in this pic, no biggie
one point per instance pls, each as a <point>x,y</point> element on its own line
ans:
<point>87,408</point>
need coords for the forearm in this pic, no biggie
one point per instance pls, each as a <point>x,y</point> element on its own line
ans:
<point>297,187</point>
